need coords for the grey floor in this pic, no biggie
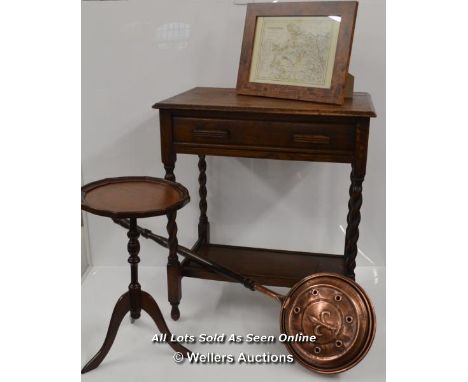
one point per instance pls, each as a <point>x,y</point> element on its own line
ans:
<point>207,307</point>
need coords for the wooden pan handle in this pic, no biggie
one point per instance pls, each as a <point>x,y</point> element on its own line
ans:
<point>236,277</point>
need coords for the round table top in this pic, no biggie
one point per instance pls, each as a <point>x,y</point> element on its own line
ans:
<point>133,197</point>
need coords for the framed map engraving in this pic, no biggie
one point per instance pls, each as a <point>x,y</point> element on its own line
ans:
<point>297,50</point>
<point>294,51</point>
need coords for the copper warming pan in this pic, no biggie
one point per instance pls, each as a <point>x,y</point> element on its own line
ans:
<point>331,307</point>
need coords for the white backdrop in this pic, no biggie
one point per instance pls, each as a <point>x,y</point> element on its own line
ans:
<point>137,52</point>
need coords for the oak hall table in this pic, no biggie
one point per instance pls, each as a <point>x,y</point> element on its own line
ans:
<point>216,121</point>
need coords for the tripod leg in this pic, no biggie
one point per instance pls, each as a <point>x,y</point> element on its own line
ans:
<point>149,305</point>
<point>122,307</point>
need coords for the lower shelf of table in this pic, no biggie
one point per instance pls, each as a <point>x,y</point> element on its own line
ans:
<point>266,266</point>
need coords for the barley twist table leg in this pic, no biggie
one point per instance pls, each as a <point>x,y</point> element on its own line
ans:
<point>353,220</point>
<point>203,224</point>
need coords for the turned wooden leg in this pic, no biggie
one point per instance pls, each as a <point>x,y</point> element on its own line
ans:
<point>169,171</point>
<point>174,277</point>
<point>174,284</point>
<point>352,230</point>
<point>134,287</point>
<point>203,224</point>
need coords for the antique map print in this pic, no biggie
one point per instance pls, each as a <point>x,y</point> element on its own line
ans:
<point>298,51</point>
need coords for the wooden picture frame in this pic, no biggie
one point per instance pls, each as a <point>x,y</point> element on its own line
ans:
<point>297,50</point>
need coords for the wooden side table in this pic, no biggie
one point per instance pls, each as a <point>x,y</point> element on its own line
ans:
<point>135,197</point>
<point>217,121</point>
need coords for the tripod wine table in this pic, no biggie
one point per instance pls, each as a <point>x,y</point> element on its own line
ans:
<point>134,197</point>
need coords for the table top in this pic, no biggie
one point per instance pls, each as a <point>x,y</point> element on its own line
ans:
<point>226,99</point>
<point>133,197</point>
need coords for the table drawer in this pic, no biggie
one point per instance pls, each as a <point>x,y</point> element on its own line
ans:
<point>312,135</point>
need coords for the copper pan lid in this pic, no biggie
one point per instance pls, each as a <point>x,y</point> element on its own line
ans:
<point>335,310</point>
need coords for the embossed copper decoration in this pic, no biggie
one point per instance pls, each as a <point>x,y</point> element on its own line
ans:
<point>331,307</point>
<point>335,310</point>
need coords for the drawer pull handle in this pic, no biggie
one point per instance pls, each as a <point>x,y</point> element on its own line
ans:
<point>308,138</point>
<point>220,134</point>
